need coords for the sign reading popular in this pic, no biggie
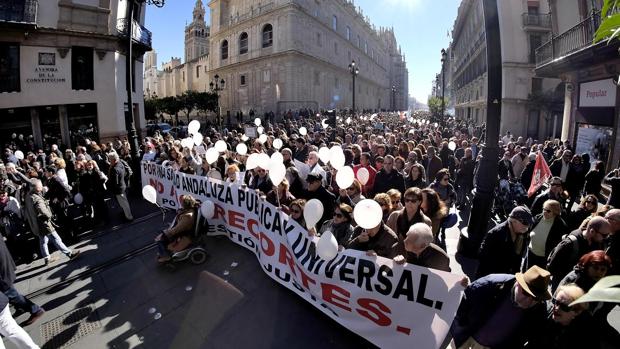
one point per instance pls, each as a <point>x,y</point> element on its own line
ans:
<point>392,306</point>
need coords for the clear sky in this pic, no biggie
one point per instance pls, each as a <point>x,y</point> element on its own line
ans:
<point>421,28</point>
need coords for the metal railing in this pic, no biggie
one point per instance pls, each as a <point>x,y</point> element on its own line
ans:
<point>19,11</point>
<point>140,34</point>
<point>574,39</point>
<point>253,12</point>
<point>536,20</point>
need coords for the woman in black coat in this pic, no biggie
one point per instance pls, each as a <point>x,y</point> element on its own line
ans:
<point>547,232</point>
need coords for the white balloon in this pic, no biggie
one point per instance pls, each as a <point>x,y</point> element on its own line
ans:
<point>327,246</point>
<point>149,193</point>
<point>303,131</point>
<point>262,138</point>
<point>260,130</point>
<point>336,157</point>
<point>244,138</point>
<point>19,155</point>
<point>207,209</point>
<point>242,149</point>
<point>257,122</point>
<point>324,154</point>
<point>277,143</point>
<point>263,161</point>
<point>613,318</point>
<point>221,146</point>
<point>78,198</point>
<point>277,172</point>
<point>187,142</point>
<point>212,155</point>
<point>252,161</point>
<point>313,211</point>
<point>324,124</point>
<point>367,213</point>
<point>198,138</point>
<point>363,175</point>
<point>452,145</point>
<point>348,120</point>
<point>345,177</point>
<point>193,127</point>
<point>277,157</point>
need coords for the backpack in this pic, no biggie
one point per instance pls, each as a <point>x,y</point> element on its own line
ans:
<point>575,251</point>
<point>128,172</point>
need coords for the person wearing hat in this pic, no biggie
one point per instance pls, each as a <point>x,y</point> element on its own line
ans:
<point>316,190</point>
<point>501,310</point>
<point>504,246</point>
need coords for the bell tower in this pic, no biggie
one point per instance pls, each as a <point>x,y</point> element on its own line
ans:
<point>197,34</point>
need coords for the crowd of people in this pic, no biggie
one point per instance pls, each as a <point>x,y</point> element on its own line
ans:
<point>545,251</point>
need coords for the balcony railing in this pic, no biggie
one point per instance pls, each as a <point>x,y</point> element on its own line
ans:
<point>536,20</point>
<point>140,34</point>
<point>253,12</point>
<point>19,11</point>
<point>574,39</point>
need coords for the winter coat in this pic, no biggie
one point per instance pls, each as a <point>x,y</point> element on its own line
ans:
<point>385,181</point>
<point>39,214</point>
<point>116,179</point>
<point>498,253</point>
<point>383,243</point>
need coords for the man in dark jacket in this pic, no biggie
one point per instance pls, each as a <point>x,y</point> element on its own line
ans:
<point>387,178</point>
<point>567,253</point>
<point>501,310</point>
<point>378,241</point>
<point>560,167</point>
<point>554,192</point>
<point>59,196</point>
<point>317,191</point>
<point>504,246</point>
<point>116,184</point>
<point>7,278</point>
<point>418,249</point>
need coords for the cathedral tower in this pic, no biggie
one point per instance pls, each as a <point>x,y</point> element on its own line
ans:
<point>197,34</point>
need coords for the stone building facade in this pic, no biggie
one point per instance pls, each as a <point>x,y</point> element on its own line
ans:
<point>528,101</point>
<point>62,70</point>
<point>288,54</point>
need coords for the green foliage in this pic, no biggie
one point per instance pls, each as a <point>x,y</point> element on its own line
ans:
<point>206,101</point>
<point>188,101</point>
<point>170,105</point>
<point>435,105</point>
<point>151,108</point>
<point>610,21</point>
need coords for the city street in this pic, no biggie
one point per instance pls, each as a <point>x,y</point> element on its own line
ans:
<point>115,296</point>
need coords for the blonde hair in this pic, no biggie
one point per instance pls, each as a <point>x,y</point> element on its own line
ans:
<point>554,206</point>
<point>60,163</point>
<point>383,199</point>
<point>573,292</point>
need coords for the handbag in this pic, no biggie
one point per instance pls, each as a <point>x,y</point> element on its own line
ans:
<point>450,220</point>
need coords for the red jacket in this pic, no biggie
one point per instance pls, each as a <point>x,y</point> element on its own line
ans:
<point>372,173</point>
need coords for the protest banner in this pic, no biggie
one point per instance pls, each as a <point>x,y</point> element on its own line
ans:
<point>391,305</point>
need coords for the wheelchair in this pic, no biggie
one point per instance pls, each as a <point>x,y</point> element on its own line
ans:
<point>195,252</point>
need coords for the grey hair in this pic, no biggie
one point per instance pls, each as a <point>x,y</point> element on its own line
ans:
<point>36,182</point>
<point>422,233</point>
<point>113,155</point>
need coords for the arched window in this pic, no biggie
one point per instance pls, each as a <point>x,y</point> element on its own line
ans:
<point>267,35</point>
<point>224,49</point>
<point>243,43</point>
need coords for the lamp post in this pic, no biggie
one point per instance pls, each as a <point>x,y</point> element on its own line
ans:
<point>354,70</point>
<point>216,86</point>
<point>486,177</point>
<point>393,98</point>
<point>443,82</point>
<point>130,124</point>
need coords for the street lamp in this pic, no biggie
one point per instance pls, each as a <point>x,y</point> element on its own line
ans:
<point>216,86</point>
<point>486,177</point>
<point>443,82</point>
<point>354,70</point>
<point>130,124</point>
<point>393,98</point>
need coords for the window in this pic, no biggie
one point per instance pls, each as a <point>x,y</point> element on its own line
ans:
<point>9,68</point>
<point>267,76</point>
<point>335,48</point>
<point>267,35</point>
<point>349,56</point>
<point>242,80</point>
<point>197,71</point>
<point>359,41</point>
<point>224,49</point>
<point>335,23</point>
<point>317,78</point>
<point>318,39</point>
<point>535,42</point>
<point>537,85</point>
<point>183,76</point>
<point>366,47</point>
<point>82,68</point>
<point>336,83</point>
<point>243,43</point>
<point>348,33</point>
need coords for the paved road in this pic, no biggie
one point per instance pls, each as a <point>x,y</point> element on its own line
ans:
<point>129,302</point>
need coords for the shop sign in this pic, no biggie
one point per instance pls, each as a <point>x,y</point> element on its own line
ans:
<point>601,93</point>
<point>46,72</point>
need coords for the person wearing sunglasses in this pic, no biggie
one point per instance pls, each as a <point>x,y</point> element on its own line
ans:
<point>574,245</point>
<point>444,188</point>
<point>261,181</point>
<point>297,211</point>
<point>555,192</point>
<point>587,208</point>
<point>387,178</point>
<point>547,231</point>
<point>351,195</point>
<point>505,245</point>
<point>565,326</point>
<point>400,221</point>
<point>340,225</point>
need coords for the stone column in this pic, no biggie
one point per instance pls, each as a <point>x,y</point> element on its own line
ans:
<point>568,107</point>
<point>64,125</point>
<point>36,127</point>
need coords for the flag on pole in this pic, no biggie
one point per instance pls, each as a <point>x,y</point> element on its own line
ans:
<point>541,174</point>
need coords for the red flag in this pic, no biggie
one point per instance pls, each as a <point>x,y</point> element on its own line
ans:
<point>541,174</point>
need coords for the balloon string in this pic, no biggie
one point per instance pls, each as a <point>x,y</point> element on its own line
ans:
<point>163,213</point>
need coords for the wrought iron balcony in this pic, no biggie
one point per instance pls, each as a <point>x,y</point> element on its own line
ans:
<point>140,34</point>
<point>572,40</point>
<point>537,20</point>
<point>22,12</point>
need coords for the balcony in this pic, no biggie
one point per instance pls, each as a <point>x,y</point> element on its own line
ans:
<point>572,40</point>
<point>19,12</point>
<point>253,12</point>
<point>140,34</point>
<point>536,21</point>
